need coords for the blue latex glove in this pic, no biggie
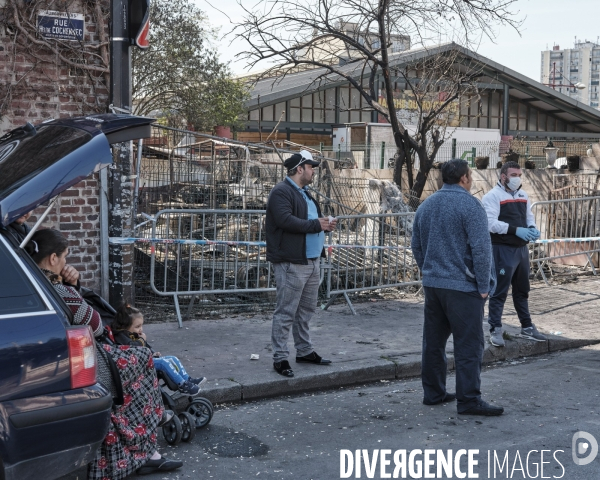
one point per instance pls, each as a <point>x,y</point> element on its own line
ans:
<point>535,231</point>
<point>525,234</point>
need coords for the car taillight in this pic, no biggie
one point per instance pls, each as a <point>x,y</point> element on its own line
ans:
<point>82,355</point>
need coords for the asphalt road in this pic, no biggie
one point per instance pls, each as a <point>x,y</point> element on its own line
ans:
<point>547,399</point>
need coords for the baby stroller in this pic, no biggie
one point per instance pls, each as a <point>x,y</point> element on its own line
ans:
<point>194,412</point>
<point>190,412</point>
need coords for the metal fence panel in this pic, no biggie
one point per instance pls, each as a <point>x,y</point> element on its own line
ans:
<point>222,253</point>
<point>369,252</point>
<point>217,254</point>
<point>569,228</point>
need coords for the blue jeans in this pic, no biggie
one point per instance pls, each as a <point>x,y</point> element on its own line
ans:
<point>172,368</point>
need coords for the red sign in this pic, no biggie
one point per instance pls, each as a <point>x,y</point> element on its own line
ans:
<point>142,38</point>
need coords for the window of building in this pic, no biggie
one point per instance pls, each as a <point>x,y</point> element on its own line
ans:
<point>541,122</point>
<point>355,105</point>
<point>344,115</point>
<point>294,109</point>
<point>522,118</point>
<point>267,114</point>
<point>532,120</point>
<point>330,105</point>
<point>307,108</point>
<point>279,110</point>
<point>319,107</point>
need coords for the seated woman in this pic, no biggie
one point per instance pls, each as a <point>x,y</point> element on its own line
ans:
<point>130,444</point>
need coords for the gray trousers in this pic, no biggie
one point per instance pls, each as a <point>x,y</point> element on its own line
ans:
<point>297,291</point>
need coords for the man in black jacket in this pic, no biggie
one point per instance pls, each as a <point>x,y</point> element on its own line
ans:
<point>295,239</point>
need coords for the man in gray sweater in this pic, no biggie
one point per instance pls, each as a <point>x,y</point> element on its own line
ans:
<point>452,247</point>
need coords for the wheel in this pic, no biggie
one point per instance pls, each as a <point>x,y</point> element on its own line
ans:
<point>202,412</point>
<point>206,402</point>
<point>172,431</point>
<point>188,424</point>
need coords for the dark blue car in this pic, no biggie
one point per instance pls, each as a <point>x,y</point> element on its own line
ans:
<point>53,413</point>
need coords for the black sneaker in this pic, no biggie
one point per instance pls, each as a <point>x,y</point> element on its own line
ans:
<point>160,465</point>
<point>483,408</point>
<point>197,381</point>
<point>313,357</point>
<point>188,388</point>
<point>283,368</point>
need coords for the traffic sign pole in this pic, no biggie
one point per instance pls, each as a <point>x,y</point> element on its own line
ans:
<point>119,190</point>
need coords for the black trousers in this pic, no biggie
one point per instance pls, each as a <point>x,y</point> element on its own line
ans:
<point>512,269</point>
<point>460,314</point>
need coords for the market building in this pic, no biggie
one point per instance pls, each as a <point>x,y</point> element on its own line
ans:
<point>302,108</point>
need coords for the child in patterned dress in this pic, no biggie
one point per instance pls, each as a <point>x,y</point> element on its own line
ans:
<point>127,329</point>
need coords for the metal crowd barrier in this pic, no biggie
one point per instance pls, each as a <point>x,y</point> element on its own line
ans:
<point>569,228</point>
<point>370,252</point>
<point>208,252</point>
<point>197,253</point>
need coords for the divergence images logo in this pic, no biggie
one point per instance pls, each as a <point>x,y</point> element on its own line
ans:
<point>589,448</point>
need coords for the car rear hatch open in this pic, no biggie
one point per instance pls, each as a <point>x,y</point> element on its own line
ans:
<point>38,163</point>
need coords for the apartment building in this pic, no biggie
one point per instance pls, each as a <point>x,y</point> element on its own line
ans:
<point>574,71</point>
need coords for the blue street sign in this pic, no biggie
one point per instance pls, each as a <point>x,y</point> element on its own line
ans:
<point>61,25</point>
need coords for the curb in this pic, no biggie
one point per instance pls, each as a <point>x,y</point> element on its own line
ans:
<point>315,377</point>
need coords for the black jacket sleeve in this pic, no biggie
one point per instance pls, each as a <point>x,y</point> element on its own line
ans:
<point>283,215</point>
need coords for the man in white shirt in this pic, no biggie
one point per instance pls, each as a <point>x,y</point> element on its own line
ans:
<point>512,226</point>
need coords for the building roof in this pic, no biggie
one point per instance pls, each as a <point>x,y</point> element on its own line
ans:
<point>274,90</point>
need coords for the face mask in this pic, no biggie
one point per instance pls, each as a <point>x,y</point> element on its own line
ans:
<point>513,183</point>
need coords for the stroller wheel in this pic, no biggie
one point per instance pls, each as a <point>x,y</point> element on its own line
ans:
<point>202,410</point>
<point>172,431</point>
<point>188,424</point>
<point>206,402</point>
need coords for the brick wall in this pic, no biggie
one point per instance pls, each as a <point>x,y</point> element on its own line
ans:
<point>77,215</point>
<point>35,85</point>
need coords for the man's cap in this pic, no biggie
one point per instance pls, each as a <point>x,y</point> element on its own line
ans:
<point>300,158</point>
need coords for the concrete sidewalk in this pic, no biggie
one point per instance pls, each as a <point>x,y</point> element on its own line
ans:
<point>382,342</point>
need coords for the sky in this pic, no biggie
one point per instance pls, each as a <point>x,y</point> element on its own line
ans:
<point>546,23</point>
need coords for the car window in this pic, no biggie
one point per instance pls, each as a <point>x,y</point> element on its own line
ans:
<point>17,293</point>
<point>49,145</point>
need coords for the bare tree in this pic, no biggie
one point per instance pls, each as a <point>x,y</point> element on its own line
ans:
<point>354,40</point>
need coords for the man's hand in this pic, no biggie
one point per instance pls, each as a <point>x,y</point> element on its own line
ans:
<point>535,232</point>
<point>327,225</point>
<point>69,275</point>
<point>526,234</point>
<point>484,295</point>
